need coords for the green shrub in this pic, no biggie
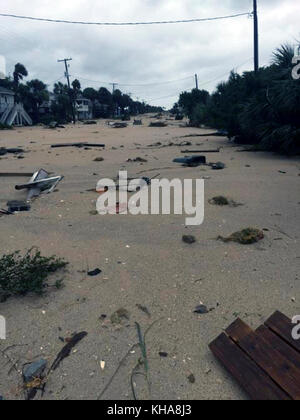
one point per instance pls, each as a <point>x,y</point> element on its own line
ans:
<point>20,275</point>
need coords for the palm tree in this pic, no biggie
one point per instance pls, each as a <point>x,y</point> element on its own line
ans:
<point>19,73</point>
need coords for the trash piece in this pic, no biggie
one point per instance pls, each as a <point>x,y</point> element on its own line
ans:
<point>191,378</point>
<point>79,145</point>
<point>16,205</point>
<point>90,122</point>
<point>15,174</point>
<point>201,309</point>
<point>163,354</point>
<point>40,182</point>
<point>219,201</point>
<point>102,364</point>
<point>191,161</point>
<point>138,160</point>
<point>99,159</point>
<point>66,351</point>
<point>95,272</point>
<point>158,124</point>
<point>245,237</point>
<point>119,316</point>
<point>201,151</point>
<point>137,122</point>
<point>119,125</point>
<point>218,166</point>
<point>144,309</point>
<point>223,201</point>
<point>5,212</point>
<point>34,370</point>
<point>14,151</point>
<point>189,239</point>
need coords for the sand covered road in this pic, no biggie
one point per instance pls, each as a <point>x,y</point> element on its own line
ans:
<point>144,262</point>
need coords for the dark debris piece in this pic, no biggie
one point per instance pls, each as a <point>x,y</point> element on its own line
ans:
<point>189,239</point>
<point>95,272</point>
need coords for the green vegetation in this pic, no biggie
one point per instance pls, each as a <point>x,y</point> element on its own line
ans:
<point>20,275</point>
<point>34,93</point>
<point>5,127</point>
<point>255,108</point>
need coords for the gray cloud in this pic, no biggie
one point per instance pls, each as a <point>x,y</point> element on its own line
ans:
<point>144,54</point>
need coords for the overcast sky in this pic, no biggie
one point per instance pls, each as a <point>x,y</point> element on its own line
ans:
<point>141,55</point>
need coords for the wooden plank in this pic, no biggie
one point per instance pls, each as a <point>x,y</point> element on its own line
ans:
<point>255,382</point>
<point>278,344</point>
<point>278,367</point>
<point>282,326</point>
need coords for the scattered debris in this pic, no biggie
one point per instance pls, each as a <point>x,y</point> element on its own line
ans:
<point>219,201</point>
<point>20,275</point>
<point>4,151</point>
<point>201,310</point>
<point>119,316</point>
<point>34,370</point>
<point>119,125</point>
<point>201,151</point>
<point>95,272</point>
<point>189,239</point>
<point>144,309</point>
<point>223,201</point>
<point>79,145</point>
<point>245,237</point>
<point>66,351</point>
<point>90,122</point>
<point>15,174</point>
<point>218,166</point>
<point>192,161</point>
<point>15,206</point>
<point>40,182</point>
<point>191,378</point>
<point>158,124</point>
<point>137,160</point>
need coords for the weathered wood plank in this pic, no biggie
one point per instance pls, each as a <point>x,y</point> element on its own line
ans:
<point>277,366</point>
<point>282,326</point>
<point>278,344</point>
<point>255,382</point>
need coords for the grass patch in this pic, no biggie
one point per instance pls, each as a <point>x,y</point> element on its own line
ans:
<point>20,275</point>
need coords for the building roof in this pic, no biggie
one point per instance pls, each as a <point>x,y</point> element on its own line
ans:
<point>6,91</point>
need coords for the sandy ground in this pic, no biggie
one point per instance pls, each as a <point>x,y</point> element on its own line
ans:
<point>145,262</point>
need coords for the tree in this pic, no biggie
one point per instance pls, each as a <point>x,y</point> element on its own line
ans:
<point>19,73</point>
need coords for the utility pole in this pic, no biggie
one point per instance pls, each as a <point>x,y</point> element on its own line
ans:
<point>67,75</point>
<point>196,80</point>
<point>114,86</point>
<point>256,39</point>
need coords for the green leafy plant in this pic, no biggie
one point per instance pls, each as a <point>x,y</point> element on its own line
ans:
<point>20,275</point>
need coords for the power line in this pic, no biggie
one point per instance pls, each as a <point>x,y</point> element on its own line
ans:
<point>138,85</point>
<point>205,83</point>
<point>126,23</point>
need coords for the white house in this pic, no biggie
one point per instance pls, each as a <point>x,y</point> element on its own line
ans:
<point>12,113</point>
<point>84,108</point>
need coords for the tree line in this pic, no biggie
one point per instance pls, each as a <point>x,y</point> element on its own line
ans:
<point>32,94</point>
<point>260,108</point>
